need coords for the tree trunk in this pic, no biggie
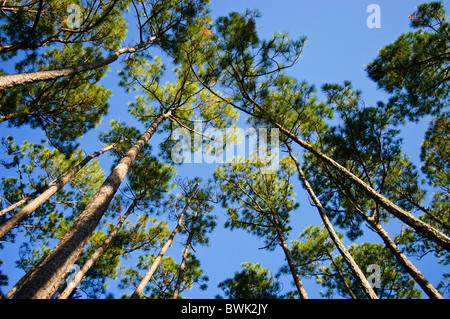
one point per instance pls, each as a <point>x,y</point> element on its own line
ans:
<point>140,288</point>
<point>25,212</point>
<point>12,80</point>
<point>48,276</point>
<point>422,228</point>
<point>182,267</point>
<point>79,277</point>
<point>17,204</point>
<point>340,274</point>
<point>334,237</point>
<point>404,261</point>
<point>298,282</point>
<point>389,243</point>
<point>19,283</point>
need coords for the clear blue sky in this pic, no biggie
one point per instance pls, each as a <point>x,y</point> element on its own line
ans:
<point>339,45</point>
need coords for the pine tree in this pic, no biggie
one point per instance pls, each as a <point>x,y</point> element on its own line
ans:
<point>191,190</point>
<point>332,233</point>
<point>253,282</point>
<point>367,143</point>
<point>55,186</point>
<point>170,97</point>
<point>260,203</point>
<point>393,283</point>
<point>42,173</point>
<point>414,69</point>
<point>251,70</point>
<point>148,181</point>
<point>198,222</point>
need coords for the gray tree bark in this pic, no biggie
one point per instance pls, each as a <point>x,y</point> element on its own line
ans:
<point>292,267</point>
<point>427,287</point>
<point>182,267</point>
<point>17,204</point>
<point>401,258</point>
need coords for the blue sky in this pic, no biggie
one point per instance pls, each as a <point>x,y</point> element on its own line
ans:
<point>339,45</point>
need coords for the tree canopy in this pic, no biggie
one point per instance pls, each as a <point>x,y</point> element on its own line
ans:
<point>117,122</point>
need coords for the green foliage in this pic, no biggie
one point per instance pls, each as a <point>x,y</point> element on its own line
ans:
<point>395,283</point>
<point>38,167</point>
<point>258,201</point>
<point>251,72</point>
<point>365,141</point>
<point>165,276</point>
<point>311,250</point>
<point>29,25</point>
<point>206,73</point>
<point>435,153</point>
<point>3,279</point>
<point>187,101</point>
<point>414,69</point>
<point>199,220</point>
<point>65,108</point>
<point>253,282</point>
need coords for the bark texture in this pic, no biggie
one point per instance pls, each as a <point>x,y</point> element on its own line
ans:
<point>292,267</point>
<point>45,280</point>
<point>427,287</point>
<point>182,267</point>
<point>79,277</point>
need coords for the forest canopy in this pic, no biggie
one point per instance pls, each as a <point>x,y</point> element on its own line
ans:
<point>146,142</point>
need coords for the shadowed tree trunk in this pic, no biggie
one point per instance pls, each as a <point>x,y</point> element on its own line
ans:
<point>80,275</point>
<point>295,275</point>
<point>182,267</point>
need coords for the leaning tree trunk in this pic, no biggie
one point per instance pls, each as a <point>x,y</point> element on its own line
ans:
<point>26,211</point>
<point>182,266</point>
<point>389,243</point>
<point>140,288</point>
<point>45,280</point>
<point>287,252</point>
<point>12,80</point>
<point>427,287</point>
<point>80,275</point>
<point>334,237</point>
<point>422,228</point>
<point>18,204</point>
<point>340,274</point>
<point>295,275</point>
